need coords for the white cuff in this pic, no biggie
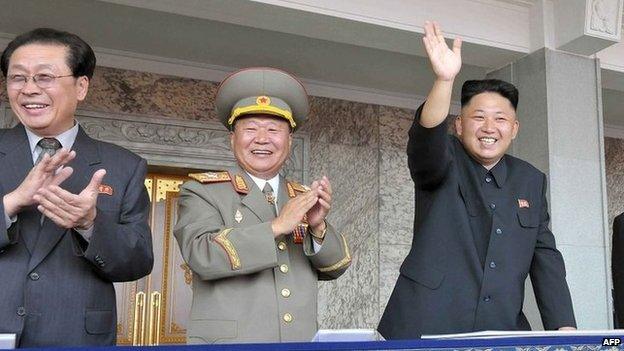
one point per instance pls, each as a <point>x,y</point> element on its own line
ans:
<point>316,246</point>
<point>9,220</point>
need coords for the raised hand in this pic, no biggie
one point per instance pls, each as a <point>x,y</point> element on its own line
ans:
<point>46,172</point>
<point>69,210</point>
<point>292,213</point>
<point>320,210</point>
<point>445,62</point>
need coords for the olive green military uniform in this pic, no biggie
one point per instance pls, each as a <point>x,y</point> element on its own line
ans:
<point>247,285</point>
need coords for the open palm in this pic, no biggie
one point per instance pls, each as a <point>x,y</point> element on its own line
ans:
<point>445,62</point>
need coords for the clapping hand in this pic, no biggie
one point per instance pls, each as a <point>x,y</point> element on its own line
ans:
<point>320,210</point>
<point>70,210</point>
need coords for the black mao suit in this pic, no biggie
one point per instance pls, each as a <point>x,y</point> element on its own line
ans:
<point>447,284</point>
<point>617,269</point>
<point>56,289</point>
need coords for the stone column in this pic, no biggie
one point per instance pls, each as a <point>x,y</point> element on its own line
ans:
<point>560,114</point>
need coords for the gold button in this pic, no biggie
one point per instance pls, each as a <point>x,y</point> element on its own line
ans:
<point>285,292</point>
<point>284,268</point>
<point>281,246</point>
<point>288,317</point>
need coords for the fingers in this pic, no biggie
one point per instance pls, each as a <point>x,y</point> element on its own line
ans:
<point>427,46</point>
<point>49,164</point>
<point>325,204</point>
<point>457,43</point>
<point>429,38</point>
<point>53,202</point>
<point>326,185</point>
<point>64,208</point>
<point>438,32</point>
<point>96,180</point>
<point>60,158</point>
<point>325,196</point>
<point>58,219</point>
<point>308,200</point>
<point>64,195</point>
<point>301,204</point>
<point>55,208</point>
<point>61,176</point>
<point>429,30</point>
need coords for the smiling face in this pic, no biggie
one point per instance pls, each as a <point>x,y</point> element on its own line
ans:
<point>47,112</point>
<point>486,127</point>
<point>261,144</point>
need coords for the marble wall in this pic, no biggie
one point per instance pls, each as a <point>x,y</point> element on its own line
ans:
<point>614,162</point>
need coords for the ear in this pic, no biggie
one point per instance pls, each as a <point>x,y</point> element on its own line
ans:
<point>515,129</point>
<point>458,125</point>
<point>82,84</point>
<point>232,139</point>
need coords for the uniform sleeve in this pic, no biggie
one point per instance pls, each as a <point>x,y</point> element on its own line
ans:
<point>548,276</point>
<point>428,153</point>
<point>120,247</point>
<point>7,229</point>
<point>211,249</point>
<point>333,258</point>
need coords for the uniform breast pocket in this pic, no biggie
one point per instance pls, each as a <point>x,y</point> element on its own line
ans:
<point>99,321</point>
<point>424,274</point>
<point>528,217</point>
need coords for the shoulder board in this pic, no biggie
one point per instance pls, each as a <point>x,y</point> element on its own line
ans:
<point>294,188</point>
<point>240,185</point>
<point>211,177</point>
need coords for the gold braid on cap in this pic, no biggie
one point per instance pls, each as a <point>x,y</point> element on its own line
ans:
<point>263,105</point>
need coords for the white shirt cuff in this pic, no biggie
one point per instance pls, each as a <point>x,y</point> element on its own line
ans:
<point>9,220</point>
<point>316,246</point>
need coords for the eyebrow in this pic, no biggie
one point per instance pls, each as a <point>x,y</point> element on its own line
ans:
<point>497,112</point>
<point>40,66</point>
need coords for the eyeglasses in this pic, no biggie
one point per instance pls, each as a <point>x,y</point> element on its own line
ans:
<point>42,80</point>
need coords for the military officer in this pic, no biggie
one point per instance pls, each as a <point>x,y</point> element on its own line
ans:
<point>256,242</point>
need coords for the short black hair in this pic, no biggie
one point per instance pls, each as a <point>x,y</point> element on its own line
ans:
<point>475,87</point>
<point>80,57</point>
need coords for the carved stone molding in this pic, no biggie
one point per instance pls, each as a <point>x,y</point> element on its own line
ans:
<point>585,27</point>
<point>173,142</point>
<point>604,17</point>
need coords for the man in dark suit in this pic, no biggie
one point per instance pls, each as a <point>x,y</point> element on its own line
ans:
<point>617,269</point>
<point>481,219</point>
<point>75,221</point>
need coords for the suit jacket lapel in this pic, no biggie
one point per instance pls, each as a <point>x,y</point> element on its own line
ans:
<point>84,165</point>
<point>16,157</point>
<point>255,199</point>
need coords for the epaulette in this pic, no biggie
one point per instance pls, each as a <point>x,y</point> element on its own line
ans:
<point>294,188</point>
<point>240,185</point>
<point>211,177</point>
